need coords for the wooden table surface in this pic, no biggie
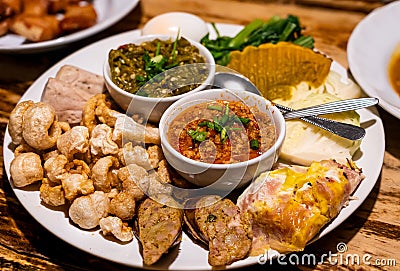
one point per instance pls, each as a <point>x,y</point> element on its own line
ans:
<point>374,229</point>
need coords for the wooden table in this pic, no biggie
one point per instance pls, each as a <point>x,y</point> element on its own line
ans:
<point>374,229</point>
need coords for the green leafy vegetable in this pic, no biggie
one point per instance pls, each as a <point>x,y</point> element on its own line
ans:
<point>255,33</point>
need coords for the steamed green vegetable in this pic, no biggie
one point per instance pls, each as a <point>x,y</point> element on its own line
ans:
<point>255,33</point>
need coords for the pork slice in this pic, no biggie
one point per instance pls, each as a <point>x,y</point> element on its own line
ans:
<point>86,81</point>
<point>69,91</point>
<point>67,100</point>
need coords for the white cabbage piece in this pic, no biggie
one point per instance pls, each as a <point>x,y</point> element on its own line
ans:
<point>305,143</point>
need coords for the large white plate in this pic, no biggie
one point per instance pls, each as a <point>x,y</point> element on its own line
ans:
<point>108,11</point>
<point>369,50</point>
<point>188,256</point>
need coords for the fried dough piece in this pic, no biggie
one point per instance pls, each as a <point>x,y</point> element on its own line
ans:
<point>10,7</point>
<point>55,6</point>
<point>35,7</point>
<point>36,28</point>
<point>78,17</point>
<point>160,227</point>
<point>4,26</point>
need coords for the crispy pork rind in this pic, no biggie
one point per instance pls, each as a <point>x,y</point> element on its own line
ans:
<point>86,211</point>
<point>116,227</point>
<point>133,180</point>
<point>73,141</point>
<point>123,205</point>
<point>101,142</point>
<point>75,185</point>
<point>16,120</point>
<point>50,194</point>
<point>104,173</point>
<point>126,129</point>
<point>40,128</point>
<point>55,168</point>
<point>26,169</point>
<point>98,110</point>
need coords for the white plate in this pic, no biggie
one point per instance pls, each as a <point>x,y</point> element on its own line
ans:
<point>108,13</point>
<point>188,256</point>
<point>369,50</point>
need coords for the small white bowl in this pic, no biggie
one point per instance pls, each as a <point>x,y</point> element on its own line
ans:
<point>222,176</point>
<point>369,50</point>
<point>152,108</point>
<point>170,23</point>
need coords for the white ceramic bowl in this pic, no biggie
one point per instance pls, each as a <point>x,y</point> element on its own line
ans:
<point>222,176</point>
<point>152,108</point>
<point>170,23</point>
<point>369,51</point>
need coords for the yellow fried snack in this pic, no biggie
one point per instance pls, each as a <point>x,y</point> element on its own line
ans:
<point>276,68</point>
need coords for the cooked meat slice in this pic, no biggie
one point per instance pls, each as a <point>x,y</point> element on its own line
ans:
<point>69,91</point>
<point>160,227</point>
<point>228,231</point>
<point>85,81</point>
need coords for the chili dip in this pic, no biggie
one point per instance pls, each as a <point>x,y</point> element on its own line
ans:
<point>221,132</point>
<point>142,68</point>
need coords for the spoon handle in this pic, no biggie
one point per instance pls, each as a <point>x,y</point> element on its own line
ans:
<point>332,107</point>
<point>341,129</point>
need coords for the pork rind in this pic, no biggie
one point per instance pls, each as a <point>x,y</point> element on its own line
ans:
<point>26,169</point>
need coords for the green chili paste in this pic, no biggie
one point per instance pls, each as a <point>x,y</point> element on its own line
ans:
<point>151,68</point>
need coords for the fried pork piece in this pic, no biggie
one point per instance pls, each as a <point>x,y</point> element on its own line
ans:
<point>289,205</point>
<point>104,173</point>
<point>78,17</point>
<point>70,90</point>
<point>26,169</point>
<point>52,195</point>
<point>55,168</point>
<point>227,230</point>
<point>134,181</point>
<point>126,129</point>
<point>115,226</point>
<point>75,185</point>
<point>16,120</point>
<point>101,142</point>
<point>86,211</point>
<point>159,225</point>
<point>123,205</point>
<point>73,141</point>
<point>36,28</point>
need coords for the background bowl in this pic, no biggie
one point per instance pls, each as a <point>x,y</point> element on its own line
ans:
<point>222,176</point>
<point>369,50</point>
<point>152,108</point>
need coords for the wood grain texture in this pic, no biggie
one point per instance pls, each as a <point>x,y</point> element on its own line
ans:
<point>374,229</point>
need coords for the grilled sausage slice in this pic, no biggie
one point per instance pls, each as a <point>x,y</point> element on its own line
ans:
<point>159,225</point>
<point>229,232</point>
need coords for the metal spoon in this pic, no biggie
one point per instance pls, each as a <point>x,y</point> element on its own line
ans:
<point>239,82</point>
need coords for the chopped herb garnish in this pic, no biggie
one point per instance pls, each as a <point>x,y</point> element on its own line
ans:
<point>254,144</point>
<point>211,218</point>
<point>197,135</point>
<point>215,107</point>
